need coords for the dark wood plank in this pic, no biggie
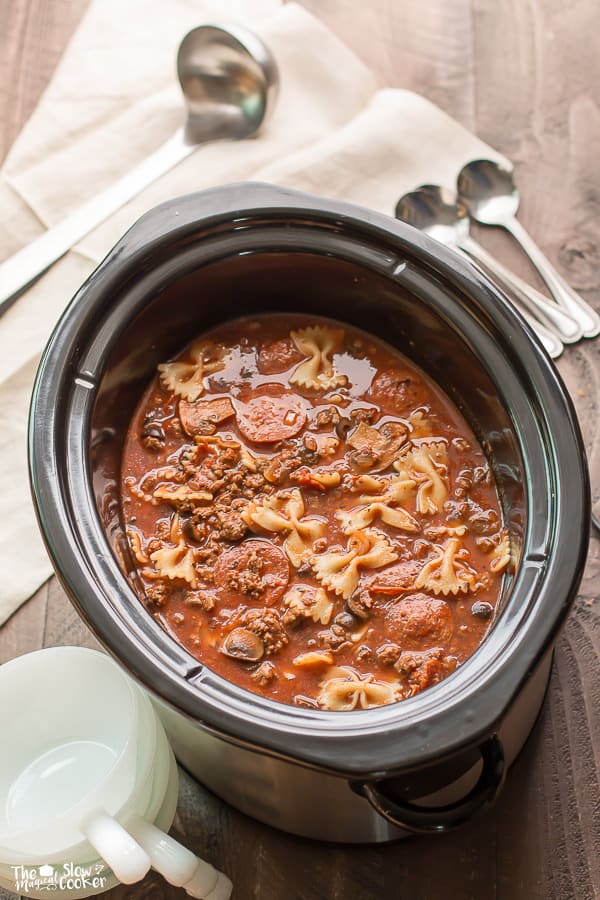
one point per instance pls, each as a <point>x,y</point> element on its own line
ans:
<point>526,77</point>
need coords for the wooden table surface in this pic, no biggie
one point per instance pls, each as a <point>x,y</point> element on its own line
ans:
<point>525,76</point>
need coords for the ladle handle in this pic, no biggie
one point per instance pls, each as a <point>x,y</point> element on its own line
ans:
<point>548,339</point>
<point>26,266</point>
<point>564,295</point>
<point>551,313</point>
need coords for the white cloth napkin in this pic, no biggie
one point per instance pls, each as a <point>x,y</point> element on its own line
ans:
<point>114,99</point>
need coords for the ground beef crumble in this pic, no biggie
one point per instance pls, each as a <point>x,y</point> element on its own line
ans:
<point>158,593</point>
<point>250,580</point>
<point>388,654</point>
<point>201,599</point>
<point>267,624</point>
<point>333,638</point>
<point>423,669</point>
<point>230,525</point>
<point>265,674</point>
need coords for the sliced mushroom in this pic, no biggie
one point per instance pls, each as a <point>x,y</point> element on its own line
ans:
<point>360,604</point>
<point>153,436</point>
<point>364,437</point>
<point>376,448</point>
<point>243,644</point>
<point>343,426</point>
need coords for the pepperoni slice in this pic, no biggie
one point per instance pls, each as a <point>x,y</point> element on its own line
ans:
<point>419,622</point>
<point>266,419</point>
<point>195,416</point>
<point>255,570</point>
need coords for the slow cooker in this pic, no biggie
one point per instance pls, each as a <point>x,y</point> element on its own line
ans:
<point>427,763</point>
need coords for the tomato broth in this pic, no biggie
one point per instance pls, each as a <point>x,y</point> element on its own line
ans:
<point>309,515</point>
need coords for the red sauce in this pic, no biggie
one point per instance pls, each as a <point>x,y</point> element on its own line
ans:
<point>310,516</point>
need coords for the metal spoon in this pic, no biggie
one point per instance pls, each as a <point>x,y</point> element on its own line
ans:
<point>229,81</point>
<point>489,193</point>
<point>435,211</point>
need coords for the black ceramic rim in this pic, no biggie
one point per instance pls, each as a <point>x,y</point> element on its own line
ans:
<point>463,709</point>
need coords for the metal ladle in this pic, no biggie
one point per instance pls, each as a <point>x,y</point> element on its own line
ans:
<point>436,211</point>
<point>488,191</point>
<point>229,80</point>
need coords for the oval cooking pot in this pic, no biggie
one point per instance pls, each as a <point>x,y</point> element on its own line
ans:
<point>207,257</point>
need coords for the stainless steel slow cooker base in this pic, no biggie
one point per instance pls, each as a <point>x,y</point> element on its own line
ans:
<point>312,804</point>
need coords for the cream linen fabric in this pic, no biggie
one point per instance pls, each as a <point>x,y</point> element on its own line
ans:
<point>113,100</point>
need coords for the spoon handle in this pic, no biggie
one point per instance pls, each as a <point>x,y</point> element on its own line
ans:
<point>548,337</point>
<point>553,315</point>
<point>26,266</point>
<point>564,295</point>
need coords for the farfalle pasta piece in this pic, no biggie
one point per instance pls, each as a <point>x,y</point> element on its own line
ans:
<point>386,505</point>
<point>434,532</point>
<point>500,556</point>
<point>135,542</point>
<point>313,659</point>
<point>186,379</point>
<point>427,464</point>
<point>181,495</point>
<point>447,573</point>
<point>317,479</point>
<point>360,518</point>
<point>152,478</point>
<point>339,570</point>
<point>317,343</point>
<point>344,689</point>
<point>419,425</point>
<point>177,561</point>
<point>303,601</point>
<point>370,484</point>
<point>215,442</point>
<point>284,512</point>
<point>247,460</point>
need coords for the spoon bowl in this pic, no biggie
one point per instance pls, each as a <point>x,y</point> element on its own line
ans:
<point>489,192</point>
<point>229,80</point>
<point>434,210</point>
<point>438,212</point>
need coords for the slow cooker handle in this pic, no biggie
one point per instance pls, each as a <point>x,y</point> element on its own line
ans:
<point>424,820</point>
